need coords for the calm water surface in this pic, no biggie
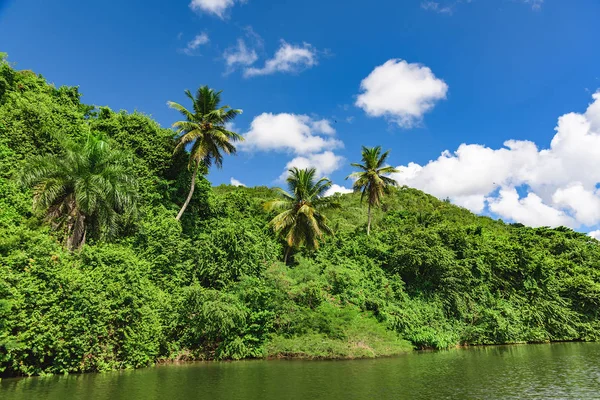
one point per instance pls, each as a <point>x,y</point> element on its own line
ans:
<point>556,371</point>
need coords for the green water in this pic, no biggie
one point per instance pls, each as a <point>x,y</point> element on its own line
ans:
<point>556,371</point>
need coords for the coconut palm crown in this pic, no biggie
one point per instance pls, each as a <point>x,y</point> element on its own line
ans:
<point>372,181</point>
<point>88,189</point>
<point>205,131</point>
<point>300,221</point>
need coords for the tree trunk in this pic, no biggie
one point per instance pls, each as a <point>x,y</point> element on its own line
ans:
<point>70,236</point>
<point>84,236</point>
<point>187,201</point>
<point>77,233</point>
<point>369,222</point>
<point>287,253</point>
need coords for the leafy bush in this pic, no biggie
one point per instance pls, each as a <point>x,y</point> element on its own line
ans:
<point>211,323</point>
<point>97,311</point>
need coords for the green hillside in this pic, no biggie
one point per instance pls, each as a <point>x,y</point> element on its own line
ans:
<point>213,285</point>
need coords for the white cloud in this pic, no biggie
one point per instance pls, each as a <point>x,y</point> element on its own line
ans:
<point>401,92</point>
<point>235,182</point>
<point>475,203</point>
<point>245,52</point>
<point>216,7</point>
<point>288,58</point>
<point>231,126</point>
<point>437,7</point>
<point>311,140</point>
<point>595,234</point>
<point>323,126</point>
<point>585,204</point>
<point>239,55</point>
<point>535,4</point>
<point>335,188</point>
<point>560,182</point>
<point>530,210</point>
<point>325,163</point>
<point>284,132</point>
<point>193,44</point>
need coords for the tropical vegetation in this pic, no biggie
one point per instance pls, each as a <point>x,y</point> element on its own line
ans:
<point>204,130</point>
<point>85,188</point>
<point>214,285</point>
<point>373,181</point>
<point>301,221</point>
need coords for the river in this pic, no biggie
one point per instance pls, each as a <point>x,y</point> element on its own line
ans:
<point>549,371</point>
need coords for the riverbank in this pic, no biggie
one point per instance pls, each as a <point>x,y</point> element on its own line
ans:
<point>563,370</point>
<point>320,347</point>
<point>360,338</point>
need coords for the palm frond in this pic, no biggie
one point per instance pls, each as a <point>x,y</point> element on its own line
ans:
<point>184,111</point>
<point>86,188</point>
<point>300,222</point>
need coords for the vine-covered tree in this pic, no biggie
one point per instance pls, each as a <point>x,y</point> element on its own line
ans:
<point>204,129</point>
<point>372,180</point>
<point>86,189</point>
<point>300,221</point>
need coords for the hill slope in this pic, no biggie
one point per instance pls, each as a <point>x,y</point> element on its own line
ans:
<point>213,286</point>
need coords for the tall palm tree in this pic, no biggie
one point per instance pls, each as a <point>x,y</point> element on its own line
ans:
<point>300,221</point>
<point>204,128</point>
<point>88,188</point>
<point>372,180</point>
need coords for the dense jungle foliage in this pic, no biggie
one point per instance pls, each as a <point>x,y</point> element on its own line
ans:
<point>214,285</point>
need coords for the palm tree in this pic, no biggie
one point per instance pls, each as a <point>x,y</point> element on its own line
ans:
<point>88,188</point>
<point>300,221</point>
<point>204,128</point>
<point>372,181</point>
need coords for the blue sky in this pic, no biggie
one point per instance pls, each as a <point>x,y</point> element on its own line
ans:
<point>434,75</point>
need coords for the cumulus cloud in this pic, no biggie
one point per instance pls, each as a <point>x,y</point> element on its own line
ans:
<point>323,126</point>
<point>293,133</point>
<point>559,183</point>
<point>235,182</point>
<point>530,210</point>
<point>311,140</point>
<point>325,163</point>
<point>239,55</point>
<point>595,234</point>
<point>335,188</point>
<point>288,59</point>
<point>195,43</point>
<point>401,92</point>
<point>215,7</point>
<point>583,203</point>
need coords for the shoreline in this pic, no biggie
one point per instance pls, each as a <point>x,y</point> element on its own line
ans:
<point>166,362</point>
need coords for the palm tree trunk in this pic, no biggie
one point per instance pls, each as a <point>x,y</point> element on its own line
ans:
<point>287,253</point>
<point>189,198</point>
<point>369,221</point>
<point>77,234</point>
<point>70,236</point>
<point>84,237</point>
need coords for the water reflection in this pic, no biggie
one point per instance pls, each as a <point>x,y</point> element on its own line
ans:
<point>556,371</point>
